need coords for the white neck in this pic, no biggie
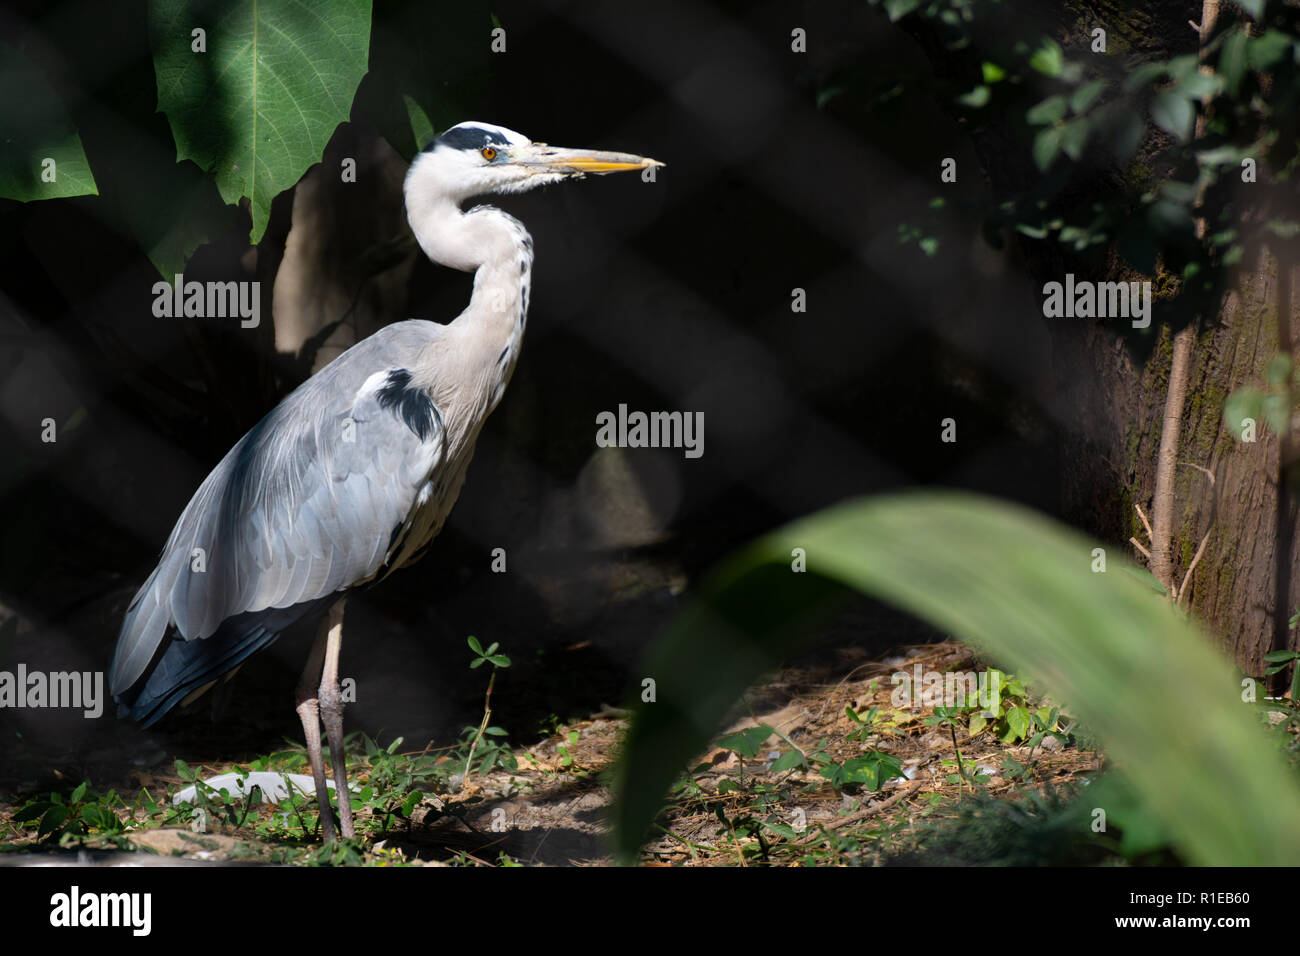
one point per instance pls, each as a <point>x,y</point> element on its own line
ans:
<point>498,250</point>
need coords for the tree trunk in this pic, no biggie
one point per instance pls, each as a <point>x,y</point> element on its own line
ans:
<point>1113,451</point>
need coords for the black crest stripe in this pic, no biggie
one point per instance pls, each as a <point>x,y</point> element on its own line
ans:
<point>468,137</point>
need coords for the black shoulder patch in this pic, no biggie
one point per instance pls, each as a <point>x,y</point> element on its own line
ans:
<point>411,405</point>
<point>468,137</point>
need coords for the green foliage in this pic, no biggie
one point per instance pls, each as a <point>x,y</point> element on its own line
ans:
<point>489,656</point>
<point>746,743</point>
<point>253,109</point>
<point>37,130</point>
<point>395,785</point>
<point>257,108</point>
<point>67,819</point>
<point>392,786</point>
<point>567,760</point>
<point>1019,587</point>
<point>421,129</point>
<point>1272,403</point>
<point>952,15</point>
<point>871,770</point>
<point>493,751</point>
<point>1113,141</point>
<point>865,723</point>
<point>1008,712</point>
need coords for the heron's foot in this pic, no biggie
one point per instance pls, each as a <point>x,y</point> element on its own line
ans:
<point>331,714</point>
<point>309,714</point>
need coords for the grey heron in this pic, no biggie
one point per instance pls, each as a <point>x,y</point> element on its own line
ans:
<point>355,471</point>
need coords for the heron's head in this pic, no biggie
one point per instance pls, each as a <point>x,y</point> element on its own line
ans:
<point>471,159</point>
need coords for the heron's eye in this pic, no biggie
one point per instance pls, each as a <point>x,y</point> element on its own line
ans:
<point>489,153</point>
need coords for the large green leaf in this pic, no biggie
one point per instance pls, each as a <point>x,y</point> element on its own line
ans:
<point>257,108</point>
<point>1021,588</point>
<point>40,151</point>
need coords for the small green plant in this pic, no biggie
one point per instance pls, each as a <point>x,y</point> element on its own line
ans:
<point>746,745</point>
<point>498,661</point>
<point>550,725</point>
<point>871,770</point>
<point>567,760</point>
<point>1281,660</point>
<point>865,723</point>
<point>1006,711</point>
<point>71,818</point>
<point>392,791</point>
<point>950,717</point>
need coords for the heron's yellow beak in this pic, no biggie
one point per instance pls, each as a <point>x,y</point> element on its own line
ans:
<point>540,158</point>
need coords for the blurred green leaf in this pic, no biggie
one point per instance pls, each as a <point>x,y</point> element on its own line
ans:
<point>1262,52</point>
<point>1019,587</point>
<point>1244,403</point>
<point>1146,577</point>
<point>1046,146</point>
<point>1074,137</point>
<point>1276,410</point>
<point>1050,110</point>
<point>897,9</point>
<point>1086,95</point>
<point>1200,85</point>
<point>1144,75</point>
<point>421,129</point>
<point>1232,60</point>
<point>1283,228</point>
<point>1048,58</point>
<point>1128,135</point>
<point>1278,369</point>
<point>37,135</point>
<point>1142,829</point>
<point>991,72</point>
<point>1174,114</point>
<point>1227,155</point>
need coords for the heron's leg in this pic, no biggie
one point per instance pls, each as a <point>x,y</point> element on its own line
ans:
<point>308,712</point>
<point>331,715</point>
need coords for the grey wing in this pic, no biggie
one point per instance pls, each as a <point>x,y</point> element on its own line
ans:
<point>305,505</point>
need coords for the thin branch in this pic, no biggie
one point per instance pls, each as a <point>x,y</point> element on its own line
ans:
<point>1200,550</point>
<point>902,794</point>
<point>1137,544</point>
<point>1205,539</point>
<point>1146,524</point>
<point>1202,469</point>
<point>1162,507</point>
